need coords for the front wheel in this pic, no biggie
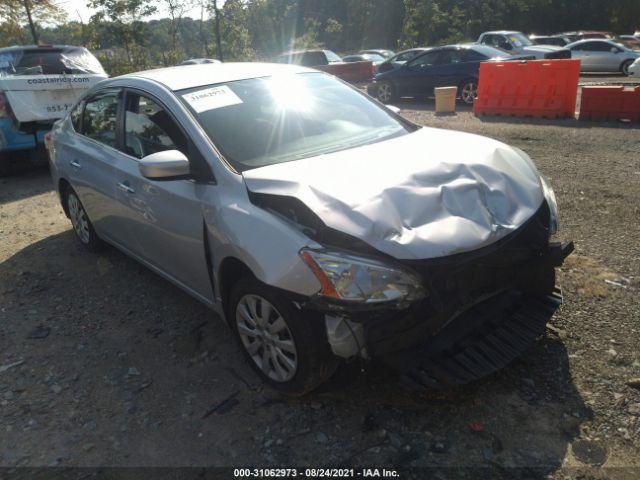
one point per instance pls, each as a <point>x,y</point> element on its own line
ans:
<point>386,92</point>
<point>624,68</point>
<point>469,91</point>
<point>287,347</point>
<point>81,223</point>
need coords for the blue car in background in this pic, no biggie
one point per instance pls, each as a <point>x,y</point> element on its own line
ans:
<point>448,66</point>
<point>38,84</point>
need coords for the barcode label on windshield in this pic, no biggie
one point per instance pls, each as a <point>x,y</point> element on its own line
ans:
<point>212,98</point>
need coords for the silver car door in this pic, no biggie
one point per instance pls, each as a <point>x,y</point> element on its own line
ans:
<point>163,217</point>
<point>601,59</point>
<point>87,155</point>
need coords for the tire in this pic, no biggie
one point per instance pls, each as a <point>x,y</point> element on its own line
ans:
<point>624,68</point>
<point>287,347</point>
<point>82,226</point>
<point>469,91</point>
<point>386,92</point>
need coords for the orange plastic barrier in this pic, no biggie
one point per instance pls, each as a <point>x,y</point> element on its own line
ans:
<point>610,103</point>
<point>531,88</point>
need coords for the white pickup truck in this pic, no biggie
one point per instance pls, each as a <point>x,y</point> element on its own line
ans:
<point>38,84</point>
<point>517,43</point>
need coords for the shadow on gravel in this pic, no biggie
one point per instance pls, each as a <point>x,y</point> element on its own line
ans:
<point>24,181</point>
<point>142,364</point>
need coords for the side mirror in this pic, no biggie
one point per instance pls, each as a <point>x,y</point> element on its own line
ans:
<point>164,165</point>
<point>614,50</point>
<point>506,46</point>
<point>393,108</point>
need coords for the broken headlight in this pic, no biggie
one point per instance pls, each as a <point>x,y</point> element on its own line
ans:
<point>550,197</point>
<point>356,279</point>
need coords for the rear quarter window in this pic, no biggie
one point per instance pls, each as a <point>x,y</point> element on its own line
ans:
<point>76,117</point>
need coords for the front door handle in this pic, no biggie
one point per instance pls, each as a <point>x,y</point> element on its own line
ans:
<point>75,164</point>
<point>125,188</point>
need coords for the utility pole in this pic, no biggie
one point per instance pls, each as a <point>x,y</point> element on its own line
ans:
<point>217,12</point>
<point>34,34</point>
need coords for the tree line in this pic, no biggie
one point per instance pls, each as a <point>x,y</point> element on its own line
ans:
<point>126,39</point>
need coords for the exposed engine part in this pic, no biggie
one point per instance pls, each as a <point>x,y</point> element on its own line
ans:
<point>345,337</point>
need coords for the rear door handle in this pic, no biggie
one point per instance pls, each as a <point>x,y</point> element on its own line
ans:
<point>125,188</point>
<point>75,164</point>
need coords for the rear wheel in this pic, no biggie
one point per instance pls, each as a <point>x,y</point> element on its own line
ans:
<point>386,92</point>
<point>469,91</point>
<point>624,68</point>
<point>81,223</point>
<point>287,347</point>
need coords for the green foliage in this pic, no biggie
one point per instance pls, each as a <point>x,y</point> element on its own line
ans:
<point>125,39</point>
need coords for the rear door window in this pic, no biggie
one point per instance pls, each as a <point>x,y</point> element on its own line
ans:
<point>426,60</point>
<point>100,117</point>
<point>596,47</point>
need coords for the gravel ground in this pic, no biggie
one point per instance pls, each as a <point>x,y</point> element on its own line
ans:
<point>104,363</point>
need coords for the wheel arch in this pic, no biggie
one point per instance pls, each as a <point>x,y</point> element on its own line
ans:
<point>230,271</point>
<point>63,186</point>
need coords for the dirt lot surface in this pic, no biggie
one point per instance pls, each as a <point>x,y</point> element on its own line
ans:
<point>104,363</point>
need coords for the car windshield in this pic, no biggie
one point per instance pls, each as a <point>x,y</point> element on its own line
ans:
<point>519,40</point>
<point>263,121</point>
<point>48,61</point>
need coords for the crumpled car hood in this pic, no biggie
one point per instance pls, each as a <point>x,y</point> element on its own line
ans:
<point>427,194</point>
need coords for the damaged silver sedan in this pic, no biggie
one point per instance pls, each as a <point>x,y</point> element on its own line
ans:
<point>318,223</point>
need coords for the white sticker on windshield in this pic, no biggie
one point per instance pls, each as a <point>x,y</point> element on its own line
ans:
<point>212,98</point>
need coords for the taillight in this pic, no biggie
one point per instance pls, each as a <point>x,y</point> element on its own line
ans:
<point>47,141</point>
<point>4,105</point>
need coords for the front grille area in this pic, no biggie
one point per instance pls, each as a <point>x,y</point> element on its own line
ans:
<point>457,283</point>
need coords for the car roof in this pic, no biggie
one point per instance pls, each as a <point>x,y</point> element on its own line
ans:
<point>19,48</point>
<point>190,76</point>
<point>307,50</point>
<point>501,32</point>
<point>599,40</point>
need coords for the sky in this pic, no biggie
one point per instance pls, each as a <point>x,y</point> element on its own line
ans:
<point>79,7</point>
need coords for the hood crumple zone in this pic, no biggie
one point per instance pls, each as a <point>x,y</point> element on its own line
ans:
<point>427,194</point>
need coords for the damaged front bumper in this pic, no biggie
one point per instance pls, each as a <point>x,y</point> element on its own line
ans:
<point>482,310</point>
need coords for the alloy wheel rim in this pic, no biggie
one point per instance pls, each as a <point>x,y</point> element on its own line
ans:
<point>469,92</point>
<point>266,338</point>
<point>78,219</point>
<point>384,92</point>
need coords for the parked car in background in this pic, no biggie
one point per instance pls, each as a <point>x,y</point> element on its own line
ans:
<point>199,61</point>
<point>365,57</point>
<point>38,84</point>
<point>318,224</point>
<point>330,62</point>
<point>517,43</point>
<point>553,40</point>
<point>634,69</point>
<point>383,53</point>
<point>589,34</point>
<point>400,59</point>
<point>627,40</point>
<point>452,65</point>
<point>630,41</point>
<point>603,56</point>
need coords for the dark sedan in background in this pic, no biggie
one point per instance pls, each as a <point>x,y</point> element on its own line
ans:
<point>452,65</point>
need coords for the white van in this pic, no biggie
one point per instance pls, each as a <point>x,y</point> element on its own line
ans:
<point>38,84</point>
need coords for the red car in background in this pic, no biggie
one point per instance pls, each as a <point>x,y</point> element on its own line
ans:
<point>330,62</point>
